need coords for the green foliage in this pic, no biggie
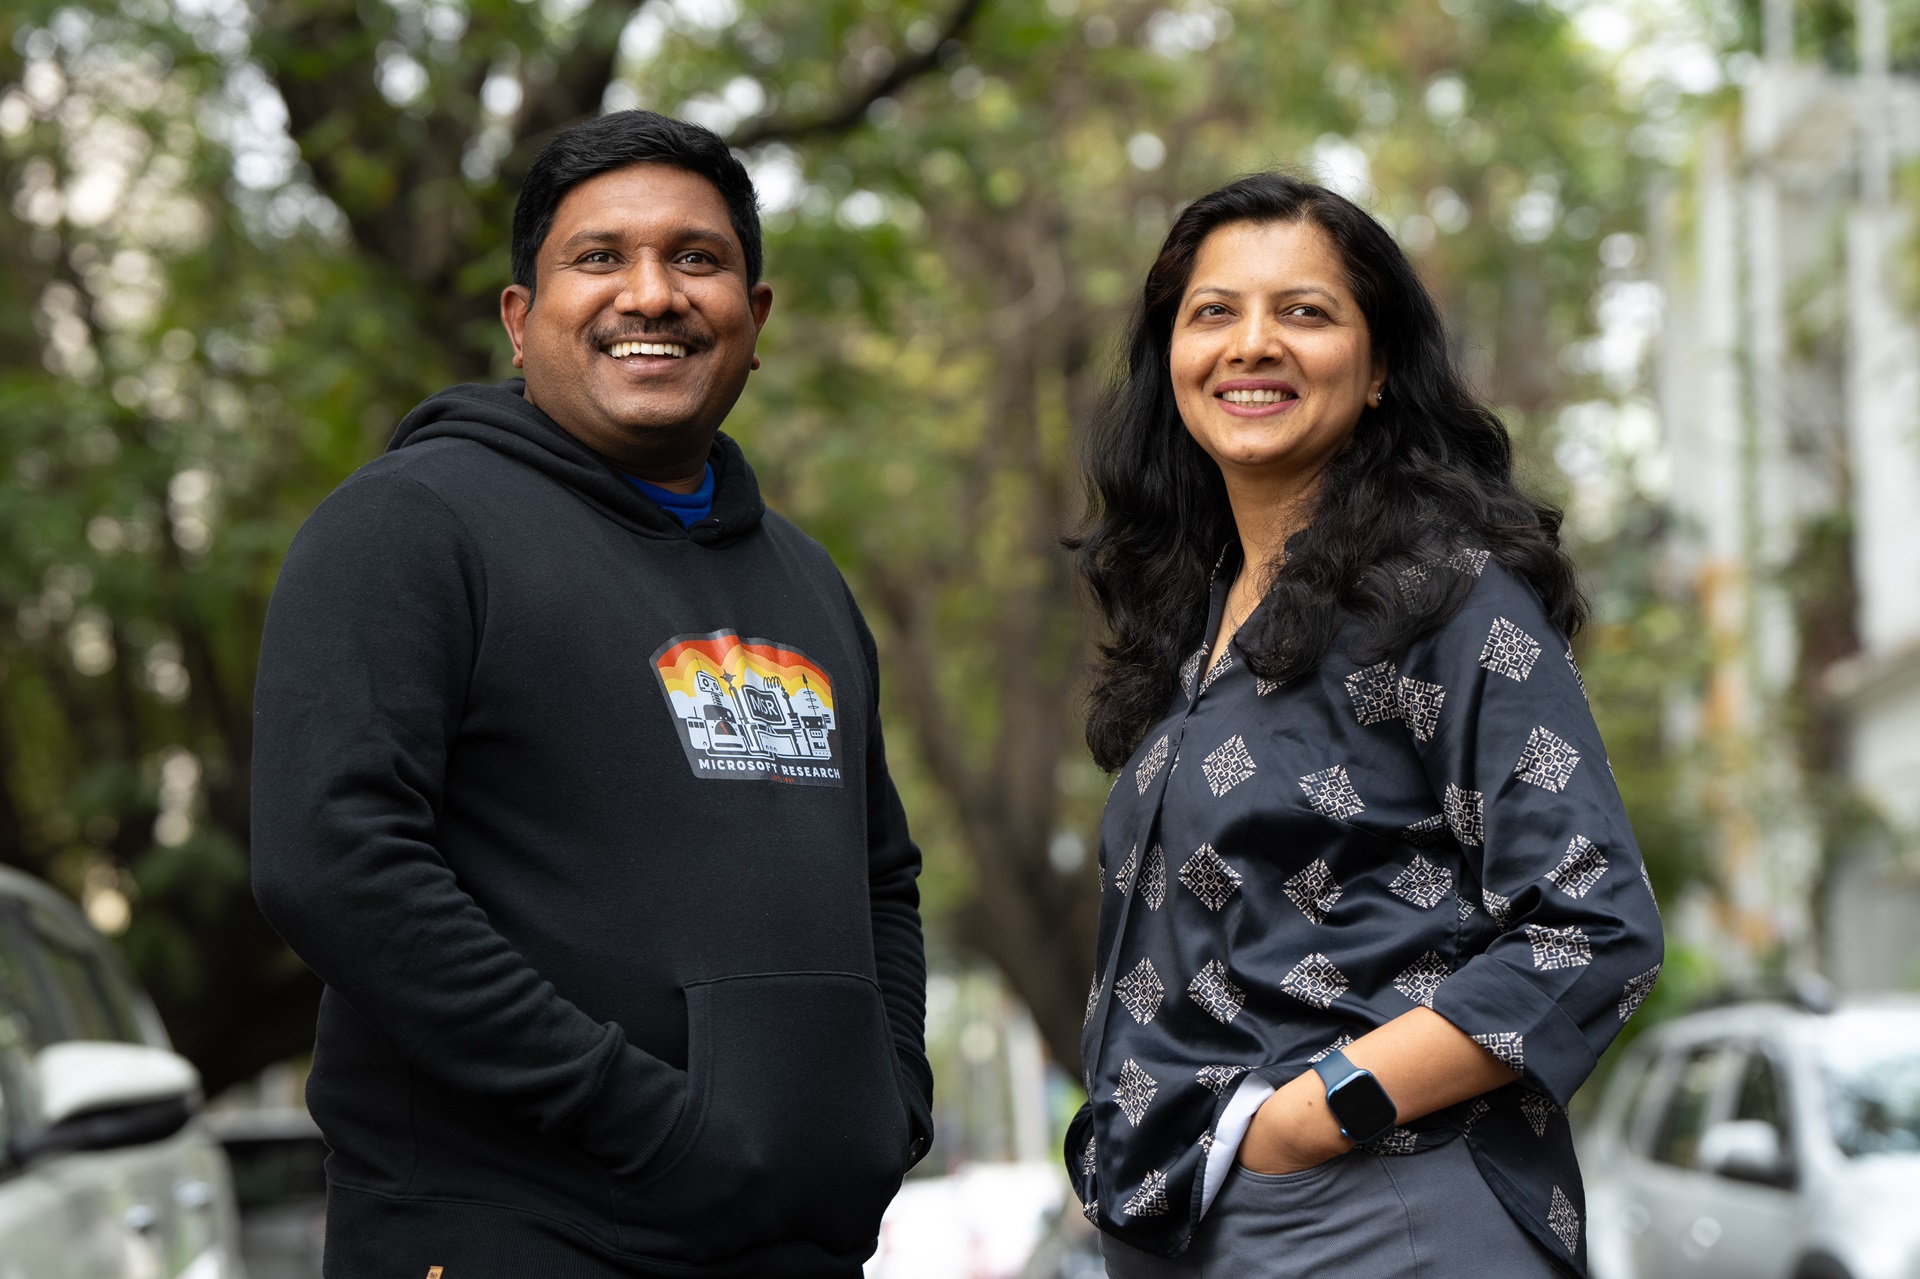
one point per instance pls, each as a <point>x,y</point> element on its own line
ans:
<point>953,259</point>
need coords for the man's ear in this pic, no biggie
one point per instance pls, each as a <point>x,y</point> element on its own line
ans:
<point>760,301</point>
<point>515,301</point>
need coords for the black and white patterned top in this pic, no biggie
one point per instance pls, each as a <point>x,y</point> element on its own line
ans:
<point>1284,868</point>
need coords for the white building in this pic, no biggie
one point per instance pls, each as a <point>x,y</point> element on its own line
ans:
<point>1789,389</point>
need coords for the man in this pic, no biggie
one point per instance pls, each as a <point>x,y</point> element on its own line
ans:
<point>569,783</point>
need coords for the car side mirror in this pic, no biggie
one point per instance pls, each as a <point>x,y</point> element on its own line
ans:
<point>1746,1150</point>
<point>96,1096</point>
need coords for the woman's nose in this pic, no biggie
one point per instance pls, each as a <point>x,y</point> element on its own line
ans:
<point>1254,341</point>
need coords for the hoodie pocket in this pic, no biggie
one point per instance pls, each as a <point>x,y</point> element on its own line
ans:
<point>794,1129</point>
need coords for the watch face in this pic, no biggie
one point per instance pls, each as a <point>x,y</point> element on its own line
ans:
<point>1362,1107</point>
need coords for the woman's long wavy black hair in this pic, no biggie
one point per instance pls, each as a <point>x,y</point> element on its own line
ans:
<point>1427,474</point>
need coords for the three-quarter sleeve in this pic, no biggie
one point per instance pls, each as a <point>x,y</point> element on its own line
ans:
<point>1516,761</point>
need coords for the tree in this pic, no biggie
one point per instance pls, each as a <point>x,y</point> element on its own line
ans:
<point>962,197</point>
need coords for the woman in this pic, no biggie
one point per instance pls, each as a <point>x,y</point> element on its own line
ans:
<point>1371,905</point>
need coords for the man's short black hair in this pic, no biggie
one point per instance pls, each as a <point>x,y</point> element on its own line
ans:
<point>613,142</point>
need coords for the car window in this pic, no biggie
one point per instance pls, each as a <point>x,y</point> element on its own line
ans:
<point>26,1025</point>
<point>1761,1095</point>
<point>1874,1095</point>
<point>98,1006</point>
<point>1678,1140</point>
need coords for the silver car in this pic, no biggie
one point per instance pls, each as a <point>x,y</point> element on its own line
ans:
<point>1761,1141</point>
<point>105,1172</point>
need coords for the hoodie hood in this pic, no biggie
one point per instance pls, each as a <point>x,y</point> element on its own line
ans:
<point>500,418</point>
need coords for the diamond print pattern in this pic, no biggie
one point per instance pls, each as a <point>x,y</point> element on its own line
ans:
<point>1422,978</point>
<point>1314,891</point>
<point>1464,812</point>
<point>1427,832</point>
<point>1134,1091</point>
<point>1227,765</point>
<point>1475,1113</point>
<point>1510,651</point>
<point>1420,704</point>
<point>1330,792</point>
<point>1123,878</point>
<point>1648,881</point>
<point>1580,869</point>
<point>1636,991</point>
<point>1151,765</point>
<point>1374,693</point>
<point>1151,1199</point>
<point>1218,1078</point>
<point>1190,670</point>
<point>1466,909</point>
<point>1398,1141</point>
<point>1153,878</point>
<point>1262,686</point>
<point>1093,997</point>
<point>1208,877</point>
<point>1547,761</point>
<point>1565,1220</point>
<point>1343,1041</point>
<point>1508,1047</point>
<point>1537,1110</point>
<point>1091,1211</point>
<point>1577,677</point>
<point>1469,560</point>
<point>1214,992</point>
<point>1500,908</point>
<point>1220,668</point>
<point>1087,1160</point>
<point>1556,948</point>
<point>1423,883</point>
<point>1141,992</point>
<point>1314,980</point>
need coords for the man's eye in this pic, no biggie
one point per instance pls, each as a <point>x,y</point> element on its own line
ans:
<point>695,257</point>
<point>597,257</point>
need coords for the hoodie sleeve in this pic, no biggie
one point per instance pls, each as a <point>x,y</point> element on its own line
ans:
<point>1514,757</point>
<point>899,950</point>
<point>370,640</point>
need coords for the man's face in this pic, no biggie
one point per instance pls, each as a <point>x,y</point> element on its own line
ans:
<point>639,334</point>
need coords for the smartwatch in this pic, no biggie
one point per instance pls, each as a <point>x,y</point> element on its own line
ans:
<point>1356,1099</point>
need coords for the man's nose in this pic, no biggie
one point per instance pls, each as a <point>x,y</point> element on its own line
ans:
<point>649,288</point>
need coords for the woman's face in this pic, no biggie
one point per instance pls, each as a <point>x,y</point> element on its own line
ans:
<point>1271,359</point>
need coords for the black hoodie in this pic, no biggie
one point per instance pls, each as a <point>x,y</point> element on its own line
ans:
<point>584,819</point>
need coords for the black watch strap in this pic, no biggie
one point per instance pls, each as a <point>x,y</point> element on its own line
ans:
<point>1357,1100</point>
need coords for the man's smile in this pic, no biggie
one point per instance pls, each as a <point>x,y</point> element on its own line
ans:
<point>621,350</point>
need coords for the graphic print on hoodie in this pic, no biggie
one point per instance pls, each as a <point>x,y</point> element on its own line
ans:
<point>590,1009</point>
<point>750,709</point>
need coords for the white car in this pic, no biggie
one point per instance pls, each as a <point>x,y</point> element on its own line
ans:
<point>105,1172</point>
<point>1761,1141</point>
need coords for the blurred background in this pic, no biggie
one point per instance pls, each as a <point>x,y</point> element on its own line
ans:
<point>1675,241</point>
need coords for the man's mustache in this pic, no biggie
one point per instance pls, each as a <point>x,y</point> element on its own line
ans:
<point>665,329</point>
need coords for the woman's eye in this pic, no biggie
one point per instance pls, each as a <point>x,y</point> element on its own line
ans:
<point>1308,310</point>
<point>1210,310</point>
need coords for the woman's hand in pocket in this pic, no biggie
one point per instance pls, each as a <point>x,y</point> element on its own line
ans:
<point>1292,1131</point>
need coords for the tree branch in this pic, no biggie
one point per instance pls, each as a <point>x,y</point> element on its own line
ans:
<point>849,113</point>
<point>574,91</point>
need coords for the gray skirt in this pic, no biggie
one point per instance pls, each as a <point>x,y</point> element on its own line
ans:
<point>1361,1216</point>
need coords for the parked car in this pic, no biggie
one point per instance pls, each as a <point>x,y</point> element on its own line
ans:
<point>279,1167</point>
<point>1761,1141</point>
<point>105,1172</point>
